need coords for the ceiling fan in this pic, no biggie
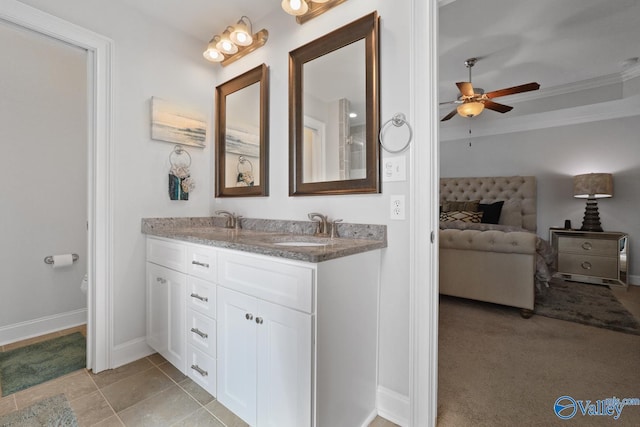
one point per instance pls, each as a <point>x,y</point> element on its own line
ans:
<point>473,100</point>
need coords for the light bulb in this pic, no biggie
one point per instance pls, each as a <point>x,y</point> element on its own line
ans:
<point>295,7</point>
<point>212,54</point>
<point>225,45</point>
<point>241,33</point>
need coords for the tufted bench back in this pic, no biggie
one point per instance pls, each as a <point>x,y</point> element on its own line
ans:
<point>518,193</point>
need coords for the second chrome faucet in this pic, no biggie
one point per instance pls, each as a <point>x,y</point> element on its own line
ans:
<point>232,220</point>
<point>324,228</point>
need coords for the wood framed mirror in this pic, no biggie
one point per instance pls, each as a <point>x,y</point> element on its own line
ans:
<point>334,112</point>
<point>242,135</point>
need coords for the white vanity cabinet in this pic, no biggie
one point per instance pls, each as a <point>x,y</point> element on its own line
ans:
<point>166,284</point>
<point>265,348</point>
<point>281,343</point>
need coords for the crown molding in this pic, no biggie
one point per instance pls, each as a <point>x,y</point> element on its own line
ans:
<point>627,107</point>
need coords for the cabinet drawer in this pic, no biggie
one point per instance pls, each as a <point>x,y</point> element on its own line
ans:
<point>201,262</point>
<point>202,369</point>
<point>201,332</point>
<point>278,282</point>
<point>588,246</point>
<point>587,265</point>
<point>168,254</point>
<point>201,296</point>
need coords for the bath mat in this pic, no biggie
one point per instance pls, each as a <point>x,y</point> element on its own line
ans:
<point>34,364</point>
<point>593,305</point>
<point>51,412</point>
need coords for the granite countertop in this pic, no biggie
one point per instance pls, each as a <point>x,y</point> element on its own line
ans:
<point>262,236</point>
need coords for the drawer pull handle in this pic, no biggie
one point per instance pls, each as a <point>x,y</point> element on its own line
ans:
<point>587,246</point>
<point>201,264</point>
<point>161,280</point>
<point>259,320</point>
<point>248,316</point>
<point>201,298</point>
<point>586,265</point>
<point>199,332</point>
<point>199,370</point>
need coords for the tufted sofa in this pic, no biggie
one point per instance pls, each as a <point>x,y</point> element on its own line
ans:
<point>492,266</point>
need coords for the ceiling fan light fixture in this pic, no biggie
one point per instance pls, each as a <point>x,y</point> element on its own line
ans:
<point>295,7</point>
<point>470,109</point>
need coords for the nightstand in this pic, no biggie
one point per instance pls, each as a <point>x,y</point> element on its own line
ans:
<point>591,257</point>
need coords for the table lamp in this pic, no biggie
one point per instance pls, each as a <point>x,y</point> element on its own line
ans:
<point>592,186</point>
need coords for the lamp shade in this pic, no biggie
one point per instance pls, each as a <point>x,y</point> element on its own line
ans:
<point>295,7</point>
<point>212,54</point>
<point>225,45</point>
<point>593,185</point>
<point>470,109</point>
<point>241,34</point>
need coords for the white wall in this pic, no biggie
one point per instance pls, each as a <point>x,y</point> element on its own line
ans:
<point>149,60</point>
<point>43,133</point>
<point>285,35</point>
<point>554,156</point>
<point>152,60</point>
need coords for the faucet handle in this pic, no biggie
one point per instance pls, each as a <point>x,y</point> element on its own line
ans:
<point>237,222</point>
<point>334,228</point>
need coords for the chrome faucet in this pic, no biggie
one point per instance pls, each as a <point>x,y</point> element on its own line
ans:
<point>321,227</point>
<point>231,219</point>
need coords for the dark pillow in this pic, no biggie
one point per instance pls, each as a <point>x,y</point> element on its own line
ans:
<point>491,212</point>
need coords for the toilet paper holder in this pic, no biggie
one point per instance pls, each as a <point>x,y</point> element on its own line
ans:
<point>49,259</point>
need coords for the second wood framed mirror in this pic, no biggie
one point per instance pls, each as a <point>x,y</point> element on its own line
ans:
<point>334,112</point>
<point>242,133</point>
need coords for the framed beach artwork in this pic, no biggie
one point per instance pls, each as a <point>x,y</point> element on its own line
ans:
<point>177,124</point>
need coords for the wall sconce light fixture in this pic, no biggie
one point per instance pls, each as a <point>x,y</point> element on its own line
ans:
<point>235,42</point>
<point>592,186</point>
<point>305,10</point>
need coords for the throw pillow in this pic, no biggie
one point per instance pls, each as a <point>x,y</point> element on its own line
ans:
<point>464,216</point>
<point>491,212</point>
<point>465,205</point>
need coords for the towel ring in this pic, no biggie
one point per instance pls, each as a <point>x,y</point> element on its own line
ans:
<point>397,120</point>
<point>179,151</point>
<point>241,161</point>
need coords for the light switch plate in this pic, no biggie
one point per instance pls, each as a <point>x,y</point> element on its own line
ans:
<point>394,168</point>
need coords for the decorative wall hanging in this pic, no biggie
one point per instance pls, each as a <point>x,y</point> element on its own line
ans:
<point>177,124</point>
<point>180,181</point>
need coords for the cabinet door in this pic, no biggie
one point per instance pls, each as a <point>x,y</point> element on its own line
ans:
<point>166,313</point>
<point>237,353</point>
<point>284,366</point>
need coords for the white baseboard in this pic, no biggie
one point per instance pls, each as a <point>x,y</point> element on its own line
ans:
<point>130,351</point>
<point>42,326</point>
<point>393,406</point>
<point>372,416</point>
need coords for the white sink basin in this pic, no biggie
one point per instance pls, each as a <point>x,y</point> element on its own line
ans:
<point>294,243</point>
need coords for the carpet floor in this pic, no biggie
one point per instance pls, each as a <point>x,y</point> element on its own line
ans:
<point>592,305</point>
<point>34,364</point>
<point>50,412</point>
<point>497,369</point>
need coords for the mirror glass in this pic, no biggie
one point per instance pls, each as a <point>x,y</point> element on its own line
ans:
<point>333,106</point>
<point>241,137</point>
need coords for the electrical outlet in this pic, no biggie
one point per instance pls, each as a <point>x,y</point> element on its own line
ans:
<point>397,207</point>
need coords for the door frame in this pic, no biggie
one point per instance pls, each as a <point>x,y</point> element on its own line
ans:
<point>100,160</point>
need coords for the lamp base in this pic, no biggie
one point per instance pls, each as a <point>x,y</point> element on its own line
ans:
<point>591,220</point>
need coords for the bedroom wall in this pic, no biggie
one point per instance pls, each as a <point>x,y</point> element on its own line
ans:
<point>554,156</point>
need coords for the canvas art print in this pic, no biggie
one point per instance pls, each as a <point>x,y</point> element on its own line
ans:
<point>177,124</point>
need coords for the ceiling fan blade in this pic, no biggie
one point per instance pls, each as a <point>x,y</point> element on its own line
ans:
<point>513,90</point>
<point>500,108</point>
<point>466,88</point>
<point>450,115</point>
<point>455,101</point>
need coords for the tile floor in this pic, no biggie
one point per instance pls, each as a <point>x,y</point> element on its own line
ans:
<point>147,392</point>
